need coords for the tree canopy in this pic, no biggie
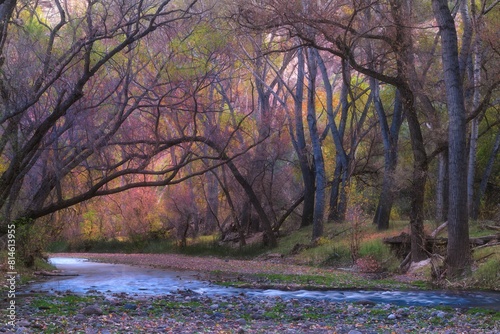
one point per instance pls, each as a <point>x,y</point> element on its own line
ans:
<point>233,117</point>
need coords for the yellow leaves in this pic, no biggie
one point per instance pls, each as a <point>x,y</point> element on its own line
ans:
<point>196,53</point>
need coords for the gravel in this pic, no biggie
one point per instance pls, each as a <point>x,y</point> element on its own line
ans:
<point>190,312</point>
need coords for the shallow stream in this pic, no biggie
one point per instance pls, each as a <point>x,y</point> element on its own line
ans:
<point>136,280</point>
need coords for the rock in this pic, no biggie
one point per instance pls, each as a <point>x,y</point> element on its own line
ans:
<point>23,323</point>
<point>391,316</point>
<point>80,317</point>
<point>214,306</point>
<point>130,306</point>
<point>92,310</point>
<point>365,303</point>
<point>217,315</point>
<point>354,332</point>
<point>440,314</point>
<point>417,266</point>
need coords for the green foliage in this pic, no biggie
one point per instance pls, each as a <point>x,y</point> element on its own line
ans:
<point>90,227</point>
<point>32,238</point>
<point>64,305</point>
<point>203,246</point>
<point>475,311</point>
<point>487,274</point>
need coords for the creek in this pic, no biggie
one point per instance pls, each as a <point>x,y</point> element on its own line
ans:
<point>145,281</point>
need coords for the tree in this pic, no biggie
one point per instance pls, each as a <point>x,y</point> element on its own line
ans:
<point>344,34</point>
<point>319,163</point>
<point>299,143</point>
<point>486,176</point>
<point>71,119</point>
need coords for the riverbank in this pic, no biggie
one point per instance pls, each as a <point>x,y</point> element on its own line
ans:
<point>267,272</point>
<point>189,312</point>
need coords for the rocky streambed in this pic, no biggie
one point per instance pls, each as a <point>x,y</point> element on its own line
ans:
<point>103,299</point>
<point>185,311</point>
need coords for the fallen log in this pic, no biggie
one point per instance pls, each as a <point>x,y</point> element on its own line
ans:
<point>401,244</point>
<point>439,229</point>
<point>489,244</point>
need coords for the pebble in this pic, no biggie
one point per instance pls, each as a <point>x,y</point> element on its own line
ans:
<point>248,315</point>
<point>92,310</point>
<point>130,307</point>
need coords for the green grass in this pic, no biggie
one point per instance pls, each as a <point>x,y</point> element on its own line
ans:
<point>276,312</point>
<point>478,228</point>
<point>334,280</point>
<point>474,311</point>
<point>487,274</point>
<point>201,246</point>
<point>65,305</point>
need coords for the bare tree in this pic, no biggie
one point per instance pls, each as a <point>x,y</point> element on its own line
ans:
<point>342,33</point>
<point>95,113</point>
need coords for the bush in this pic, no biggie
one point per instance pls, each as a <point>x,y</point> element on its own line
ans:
<point>487,274</point>
<point>32,238</point>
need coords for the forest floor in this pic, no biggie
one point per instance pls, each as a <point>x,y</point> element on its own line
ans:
<point>188,312</point>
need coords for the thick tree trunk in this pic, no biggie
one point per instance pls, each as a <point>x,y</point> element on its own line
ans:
<point>458,258</point>
<point>308,205</point>
<point>386,199</point>
<point>338,193</point>
<point>419,178</point>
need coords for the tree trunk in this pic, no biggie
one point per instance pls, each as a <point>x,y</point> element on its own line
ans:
<point>476,101</point>
<point>401,13</point>
<point>458,258</point>
<point>390,137</point>
<point>308,206</point>
<point>266,223</point>
<point>442,189</point>
<point>419,178</point>
<point>299,142</point>
<point>212,198</point>
<point>319,207</point>
<point>333,211</point>
<point>471,166</point>
<point>485,177</point>
<point>6,9</point>
<point>338,196</point>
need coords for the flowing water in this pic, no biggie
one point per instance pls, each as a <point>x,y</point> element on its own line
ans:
<point>140,281</point>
